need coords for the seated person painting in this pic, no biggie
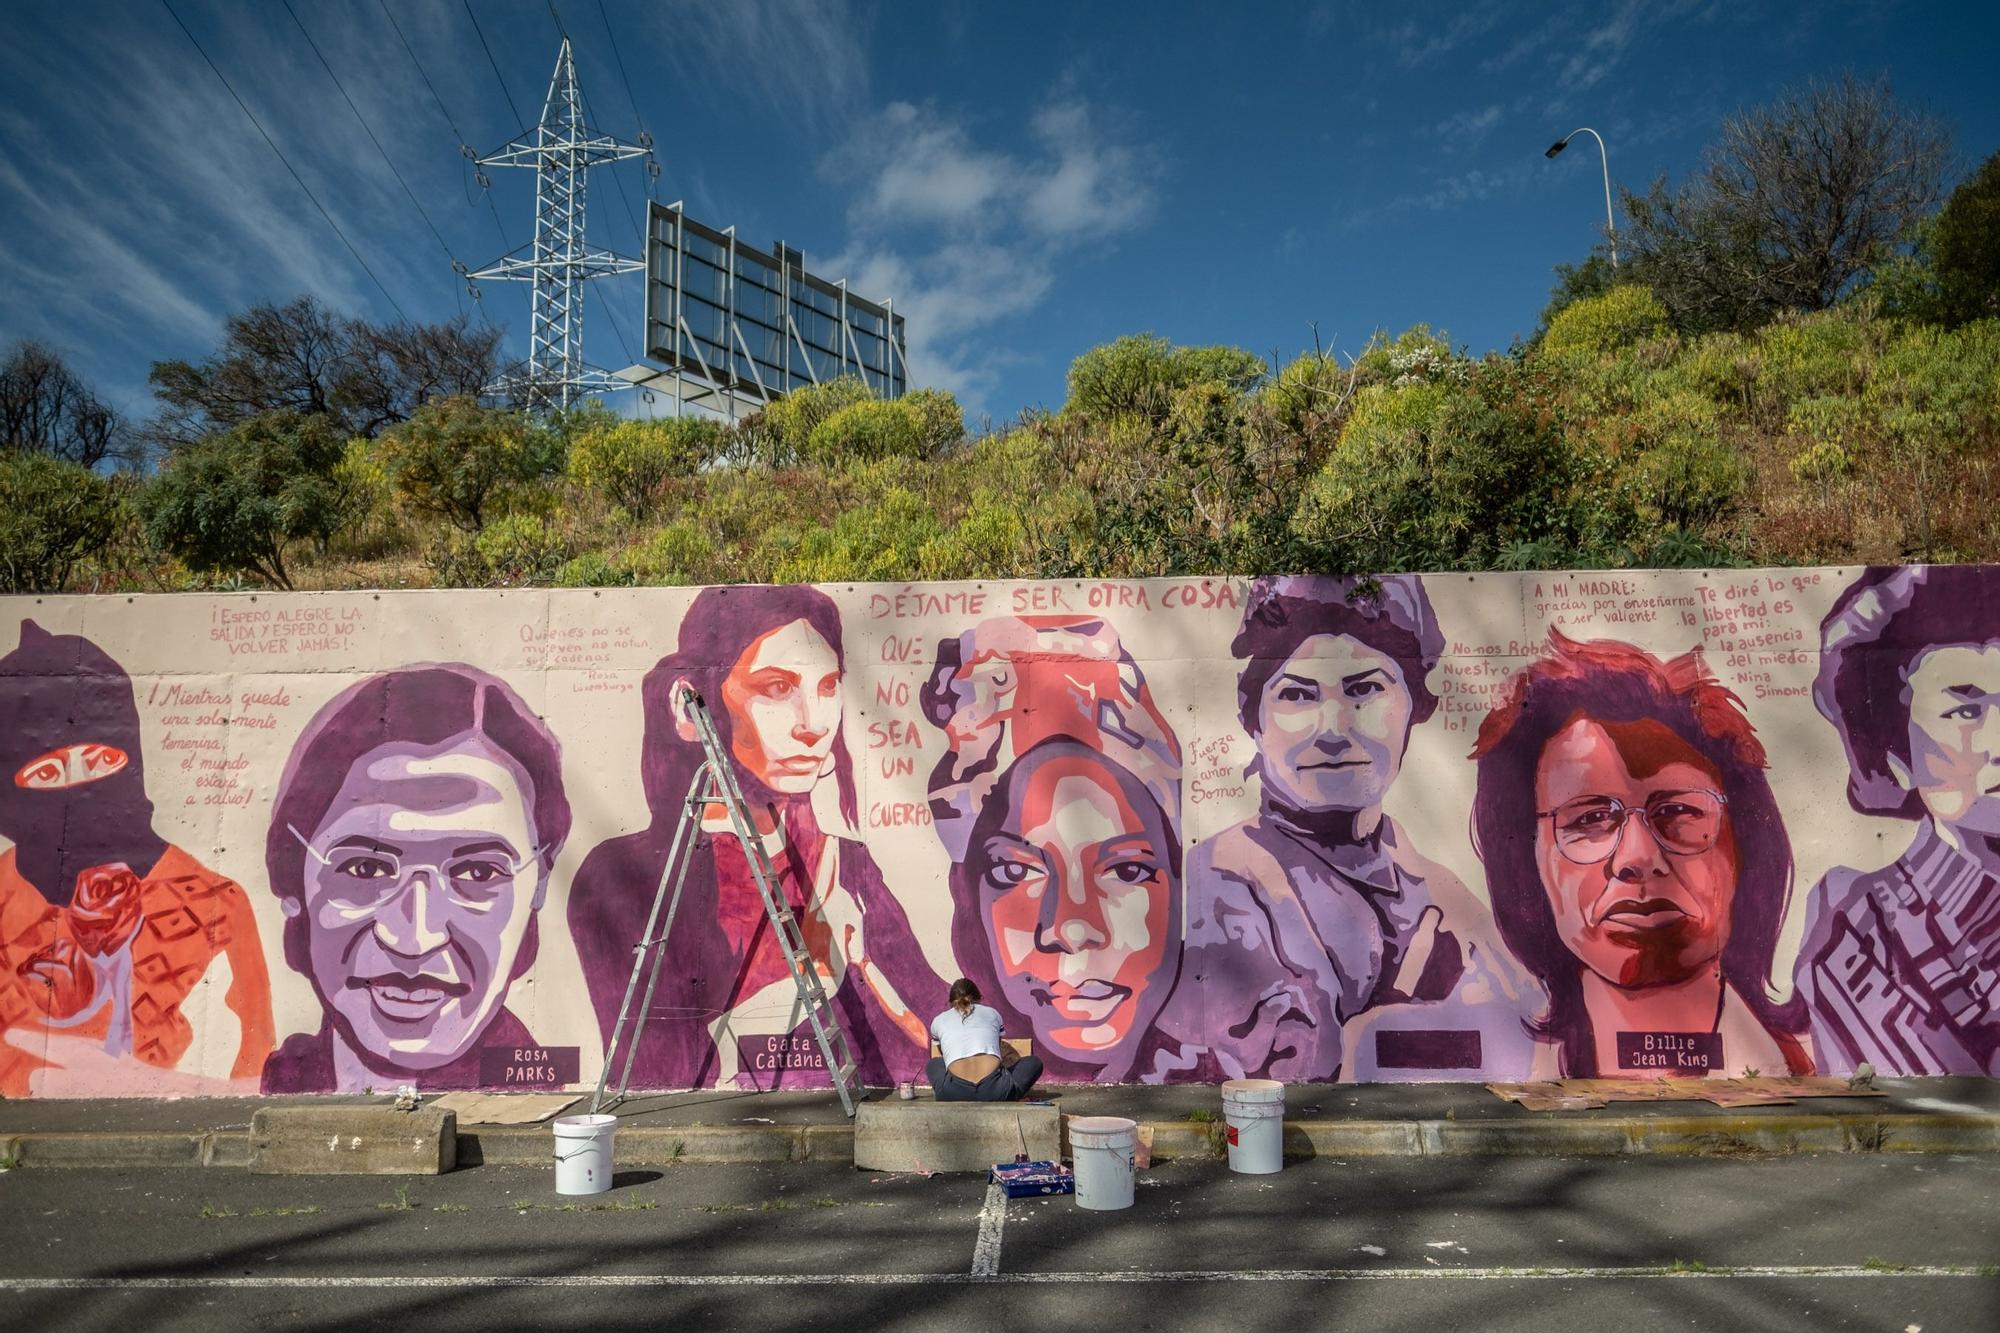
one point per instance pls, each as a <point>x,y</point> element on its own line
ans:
<point>410,847</point>
<point>972,1063</point>
<point>1638,865</point>
<point>1319,910</point>
<point>1058,798</point>
<point>106,928</point>
<point>1901,966</point>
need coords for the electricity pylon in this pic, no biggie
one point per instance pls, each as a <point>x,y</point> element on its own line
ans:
<point>560,148</point>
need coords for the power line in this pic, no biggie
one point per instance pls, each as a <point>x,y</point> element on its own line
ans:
<point>496,66</point>
<point>464,145</point>
<point>616,327</point>
<point>619,56</point>
<point>251,116</point>
<point>367,130</point>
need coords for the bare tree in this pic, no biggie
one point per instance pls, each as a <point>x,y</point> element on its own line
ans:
<point>46,408</point>
<point>302,357</point>
<point>1797,200</point>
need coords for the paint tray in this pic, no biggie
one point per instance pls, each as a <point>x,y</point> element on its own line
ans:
<point>1020,1180</point>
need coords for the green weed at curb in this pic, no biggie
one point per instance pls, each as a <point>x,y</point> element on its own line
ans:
<point>297,1210</point>
<point>452,1208</point>
<point>402,1203</point>
<point>1877,1264</point>
<point>210,1210</point>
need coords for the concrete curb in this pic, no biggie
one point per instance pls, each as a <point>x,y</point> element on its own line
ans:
<point>1173,1140</point>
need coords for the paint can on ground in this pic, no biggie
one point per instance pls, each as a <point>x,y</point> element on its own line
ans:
<point>584,1153</point>
<point>1101,1149</point>
<point>1253,1112</point>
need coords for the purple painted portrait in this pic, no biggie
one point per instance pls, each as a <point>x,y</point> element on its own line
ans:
<point>1058,798</point>
<point>1638,865</point>
<point>1318,910</point>
<point>1901,965</point>
<point>769,663</point>
<point>410,846</point>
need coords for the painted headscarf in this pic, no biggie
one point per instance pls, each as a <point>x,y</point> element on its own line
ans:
<point>1008,684</point>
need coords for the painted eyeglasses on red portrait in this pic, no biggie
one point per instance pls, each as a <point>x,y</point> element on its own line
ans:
<point>1684,823</point>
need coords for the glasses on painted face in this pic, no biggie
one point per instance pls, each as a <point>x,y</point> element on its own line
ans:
<point>1684,823</point>
<point>361,877</point>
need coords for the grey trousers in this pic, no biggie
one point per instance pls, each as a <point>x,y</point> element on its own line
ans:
<point>1010,1084</point>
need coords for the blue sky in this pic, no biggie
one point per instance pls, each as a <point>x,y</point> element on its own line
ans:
<point>1025,181</point>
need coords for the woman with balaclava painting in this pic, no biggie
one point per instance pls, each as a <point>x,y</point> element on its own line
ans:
<point>105,927</point>
<point>768,663</point>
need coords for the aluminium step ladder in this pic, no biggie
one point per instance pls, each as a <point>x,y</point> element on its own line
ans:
<point>715,784</point>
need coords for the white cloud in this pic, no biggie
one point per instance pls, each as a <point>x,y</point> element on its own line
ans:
<point>962,235</point>
<point>808,58</point>
<point>1468,127</point>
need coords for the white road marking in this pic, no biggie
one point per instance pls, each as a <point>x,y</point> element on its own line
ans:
<point>992,1219</point>
<point>278,1283</point>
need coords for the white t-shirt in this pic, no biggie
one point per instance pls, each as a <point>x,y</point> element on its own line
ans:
<point>959,1035</point>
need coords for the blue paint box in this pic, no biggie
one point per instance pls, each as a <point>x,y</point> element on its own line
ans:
<point>1022,1180</point>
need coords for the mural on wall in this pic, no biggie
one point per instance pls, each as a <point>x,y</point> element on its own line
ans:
<point>1638,865</point>
<point>105,926</point>
<point>1901,965</point>
<point>769,664</point>
<point>410,845</point>
<point>1058,798</point>
<point>1410,827</point>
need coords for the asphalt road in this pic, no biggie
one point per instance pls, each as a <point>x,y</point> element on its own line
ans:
<point>1818,1242</point>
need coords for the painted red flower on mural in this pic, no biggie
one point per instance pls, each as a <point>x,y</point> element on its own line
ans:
<point>104,914</point>
<point>64,969</point>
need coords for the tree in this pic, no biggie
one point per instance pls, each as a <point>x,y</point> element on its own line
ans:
<point>1966,248</point>
<point>235,501</point>
<point>302,357</point>
<point>1797,201</point>
<point>632,461</point>
<point>53,513</point>
<point>1137,375</point>
<point>1594,276</point>
<point>46,408</point>
<point>454,457</point>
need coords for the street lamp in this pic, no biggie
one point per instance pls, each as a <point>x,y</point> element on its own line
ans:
<point>1610,228</point>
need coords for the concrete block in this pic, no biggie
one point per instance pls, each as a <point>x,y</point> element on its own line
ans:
<point>227,1148</point>
<point>952,1136</point>
<point>341,1140</point>
<point>1353,1138</point>
<point>828,1143</point>
<point>91,1148</point>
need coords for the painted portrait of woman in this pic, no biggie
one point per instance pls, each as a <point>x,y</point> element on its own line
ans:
<point>768,662</point>
<point>1901,965</point>
<point>1318,910</point>
<point>1058,799</point>
<point>1638,865</point>
<point>410,846</point>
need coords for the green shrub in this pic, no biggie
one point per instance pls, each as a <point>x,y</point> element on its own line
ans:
<point>456,459</point>
<point>592,569</point>
<point>1809,356</point>
<point>876,428</point>
<point>235,502</point>
<point>631,461</point>
<point>1137,375</point>
<point>522,548</point>
<point>53,515</point>
<point>940,422</point>
<point>1687,476</point>
<point>1598,326</point>
<point>780,433</point>
<point>879,541</point>
<point>678,554</point>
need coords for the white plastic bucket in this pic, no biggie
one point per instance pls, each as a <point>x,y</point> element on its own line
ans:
<point>1101,1149</point>
<point>584,1152</point>
<point>1253,1110</point>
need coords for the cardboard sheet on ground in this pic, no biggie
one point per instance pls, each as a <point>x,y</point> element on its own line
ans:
<point>510,1108</point>
<point>1579,1094</point>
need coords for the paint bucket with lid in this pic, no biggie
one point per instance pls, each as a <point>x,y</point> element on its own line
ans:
<point>584,1152</point>
<point>1101,1148</point>
<point>1253,1112</point>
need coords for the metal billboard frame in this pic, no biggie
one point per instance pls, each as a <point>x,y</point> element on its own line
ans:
<point>801,329</point>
